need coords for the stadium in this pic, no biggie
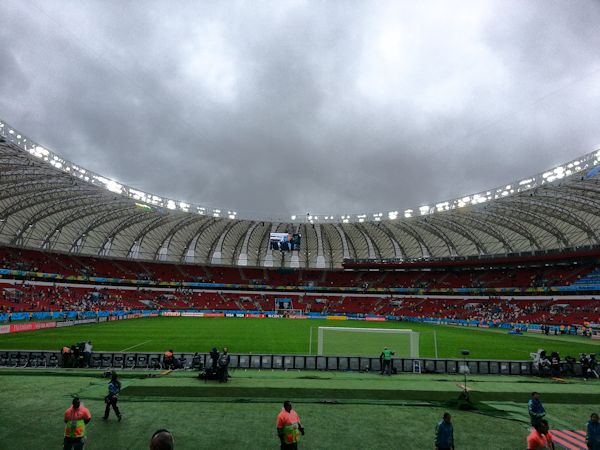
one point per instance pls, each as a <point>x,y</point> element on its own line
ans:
<point>464,320</point>
<point>79,249</point>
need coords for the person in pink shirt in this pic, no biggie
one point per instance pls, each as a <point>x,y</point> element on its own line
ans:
<point>289,427</point>
<point>540,438</point>
<point>76,418</point>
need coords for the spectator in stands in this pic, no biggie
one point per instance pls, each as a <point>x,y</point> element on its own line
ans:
<point>162,440</point>
<point>114,388</point>
<point>444,433</point>
<point>592,437</point>
<point>535,408</point>
<point>76,418</point>
<point>540,438</point>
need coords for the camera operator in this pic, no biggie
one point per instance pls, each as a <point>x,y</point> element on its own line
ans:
<point>169,360</point>
<point>594,365</point>
<point>555,364</point>
<point>588,366</point>
<point>65,353</point>
<point>545,365</point>
<point>569,366</point>
<point>214,356</point>
<point>223,363</point>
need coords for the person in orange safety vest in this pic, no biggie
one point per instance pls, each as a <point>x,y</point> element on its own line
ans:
<point>76,418</point>
<point>289,427</point>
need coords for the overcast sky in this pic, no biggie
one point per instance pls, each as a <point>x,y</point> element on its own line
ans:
<point>305,106</point>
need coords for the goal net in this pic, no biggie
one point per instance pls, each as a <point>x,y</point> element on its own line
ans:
<point>367,341</point>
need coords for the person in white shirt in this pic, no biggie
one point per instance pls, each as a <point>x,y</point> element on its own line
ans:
<point>87,354</point>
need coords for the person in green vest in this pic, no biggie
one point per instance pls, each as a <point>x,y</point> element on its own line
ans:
<point>289,427</point>
<point>386,361</point>
<point>76,418</point>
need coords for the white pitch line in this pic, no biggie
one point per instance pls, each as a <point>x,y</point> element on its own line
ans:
<point>134,346</point>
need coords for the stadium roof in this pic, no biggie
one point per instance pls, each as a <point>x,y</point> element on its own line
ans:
<point>50,203</point>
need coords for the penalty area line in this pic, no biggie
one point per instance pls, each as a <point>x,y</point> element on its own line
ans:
<point>134,346</point>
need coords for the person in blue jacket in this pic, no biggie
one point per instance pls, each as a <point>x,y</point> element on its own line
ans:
<point>592,438</point>
<point>114,388</point>
<point>535,408</point>
<point>444,434</point>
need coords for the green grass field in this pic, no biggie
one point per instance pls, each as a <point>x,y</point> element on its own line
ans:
<point>338,410</point>
<point>286,336</point>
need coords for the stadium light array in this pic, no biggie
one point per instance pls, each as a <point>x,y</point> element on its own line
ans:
<point>587,163</point>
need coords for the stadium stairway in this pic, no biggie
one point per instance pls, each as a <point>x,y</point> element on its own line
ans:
<point>591,279</point>
<point>569,440</point>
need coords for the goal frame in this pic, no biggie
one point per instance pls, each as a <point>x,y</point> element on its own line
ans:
<point>413,336</point>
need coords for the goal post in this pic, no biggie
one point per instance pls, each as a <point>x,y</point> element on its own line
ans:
<point>367,341</point>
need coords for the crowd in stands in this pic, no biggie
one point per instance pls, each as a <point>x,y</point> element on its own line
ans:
<point>441,278</point>
<point>27,296</point>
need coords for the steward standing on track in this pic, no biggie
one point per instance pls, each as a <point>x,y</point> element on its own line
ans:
<point>76,418</point>
<point>540,438</point>
<point>289,427</point>
<point>224,361</point>
<point>592,437</point>
<point>535,408</point>
<point>444,433</point>
<point>114,387</point>
<point>386,360</point>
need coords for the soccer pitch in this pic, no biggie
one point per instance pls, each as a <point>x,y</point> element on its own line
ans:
<point>338,410</point>
<point>287,336</point>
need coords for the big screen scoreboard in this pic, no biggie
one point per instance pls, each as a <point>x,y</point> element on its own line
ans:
<point>285,242</point>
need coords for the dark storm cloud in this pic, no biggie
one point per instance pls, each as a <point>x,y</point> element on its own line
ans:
<point>297,106</point>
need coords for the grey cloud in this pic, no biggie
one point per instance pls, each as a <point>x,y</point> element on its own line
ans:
<point>295,107</point>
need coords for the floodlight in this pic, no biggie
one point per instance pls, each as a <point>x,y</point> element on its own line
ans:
<point>293,217</point>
